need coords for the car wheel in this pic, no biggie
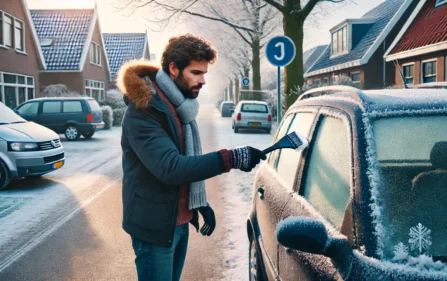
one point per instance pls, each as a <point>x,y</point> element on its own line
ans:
<point>5,178</point>
<point>88,135</point>
<point>269,131</point>
<point>236,129</point>
<point>72,132</point>
<point>255,273</point>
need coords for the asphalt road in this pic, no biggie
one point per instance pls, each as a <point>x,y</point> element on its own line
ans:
<point>78,234</point>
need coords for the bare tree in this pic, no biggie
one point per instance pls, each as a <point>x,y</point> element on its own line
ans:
<point>295,14</point>
<point>252,20</point>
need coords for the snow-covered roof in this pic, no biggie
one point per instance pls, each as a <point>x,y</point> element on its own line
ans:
<point>252,101</point>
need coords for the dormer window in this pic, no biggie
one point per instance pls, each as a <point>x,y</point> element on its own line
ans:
<point>340,41</point>
<point>440,2</point>
<point>46,42</point>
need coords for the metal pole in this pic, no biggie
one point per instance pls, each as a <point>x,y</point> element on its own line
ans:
<point>279,107</point>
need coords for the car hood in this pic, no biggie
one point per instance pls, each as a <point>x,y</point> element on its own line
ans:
<point>28,131</point>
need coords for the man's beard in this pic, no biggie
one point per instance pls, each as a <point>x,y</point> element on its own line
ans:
<point>181,83</point>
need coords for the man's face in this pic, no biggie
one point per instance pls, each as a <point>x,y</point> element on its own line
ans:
<point>191,79</point>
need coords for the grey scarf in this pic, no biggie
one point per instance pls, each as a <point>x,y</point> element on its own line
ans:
<point>187,110</point>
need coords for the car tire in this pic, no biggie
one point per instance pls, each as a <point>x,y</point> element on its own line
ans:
<point>255,272</point>
<point>269,131</point>
<point>72,132</point>
<point>88,135</point>
<point>236,129</point>
<point>5,177</point>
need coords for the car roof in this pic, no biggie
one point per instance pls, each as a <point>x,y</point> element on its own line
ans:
<point>253,102</point>
<point>227,102</point>
<point>380,100</point>
<point>62,98</point>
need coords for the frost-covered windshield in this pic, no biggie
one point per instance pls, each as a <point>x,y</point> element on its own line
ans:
<point>412,161</point>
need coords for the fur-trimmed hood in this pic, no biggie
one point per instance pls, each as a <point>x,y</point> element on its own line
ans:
<point>132,81</point>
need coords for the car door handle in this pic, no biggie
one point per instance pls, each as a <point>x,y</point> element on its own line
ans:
<point>261,192</point>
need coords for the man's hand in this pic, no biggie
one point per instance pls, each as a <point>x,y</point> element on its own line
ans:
<point>209,220</point>
<point>246,158</point>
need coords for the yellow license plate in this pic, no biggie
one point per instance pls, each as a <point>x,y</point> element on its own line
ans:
<point>58,164</point>
<point>255,124</point>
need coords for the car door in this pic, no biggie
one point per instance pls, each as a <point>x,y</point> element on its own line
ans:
<point>50,115</point>
<point>322,191</point>
<point>274,190</point>
<point>29,110</point>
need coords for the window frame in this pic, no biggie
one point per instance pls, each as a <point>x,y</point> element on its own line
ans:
<point>90,85</point>
<point>12,31</point>
<point>355,73</point>
<point>302,172</point>
<point>16,85</point>
<point>409,77</point>
<point>423,70</point>
<point>95,54</point>
<point>344,44</point>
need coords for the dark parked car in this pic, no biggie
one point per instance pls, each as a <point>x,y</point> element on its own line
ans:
<point>70,116</point>
<point>366,200</point>
<point>225,108</point>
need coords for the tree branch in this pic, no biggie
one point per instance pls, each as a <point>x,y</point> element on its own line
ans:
<point>304,12</point>
<point>276,5</point>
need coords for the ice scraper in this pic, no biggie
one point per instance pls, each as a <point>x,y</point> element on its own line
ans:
<point>293,140</point>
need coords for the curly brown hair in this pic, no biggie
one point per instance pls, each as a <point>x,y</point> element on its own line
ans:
<point>181,50</point>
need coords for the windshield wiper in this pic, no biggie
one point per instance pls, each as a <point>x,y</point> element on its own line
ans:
<point>4,123</point>
<point>17,122</point>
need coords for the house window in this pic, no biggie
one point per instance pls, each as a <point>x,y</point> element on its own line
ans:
<point>95,89</point>
<point>334,80</point>
<point>440,2</point>
<point>355,77</point>
<point>95,54</point>
<point>7,31</point>
<point>326,81</point>
<point>317,82</point>
<point>12,32</point>
<point>429,72</point>
<point>409,73</point>
<point>15,89</point>
<point>340,41</point>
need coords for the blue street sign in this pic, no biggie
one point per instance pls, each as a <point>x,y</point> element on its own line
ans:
<point>280,51</point>
<point>245,81</point>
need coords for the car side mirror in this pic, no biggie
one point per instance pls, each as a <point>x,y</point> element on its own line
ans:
<point>231,110</point>
<point>310,236</point>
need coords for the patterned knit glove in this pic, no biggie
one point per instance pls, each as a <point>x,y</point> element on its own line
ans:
<point>246,158</point>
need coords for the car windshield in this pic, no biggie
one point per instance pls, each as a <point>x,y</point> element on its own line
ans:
<point>8,116</point>
<point>255,108</point>
<point>412,166</point>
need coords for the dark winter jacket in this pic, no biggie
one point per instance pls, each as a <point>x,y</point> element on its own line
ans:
<point>153,166</point>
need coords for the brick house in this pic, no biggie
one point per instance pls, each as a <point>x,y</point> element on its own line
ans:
<point>358,45</point>
<point>21,57</point>
<point>122,47</point>
<point>419,51</point>
<point>73,47</point>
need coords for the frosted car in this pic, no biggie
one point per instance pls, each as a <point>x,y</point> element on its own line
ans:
<point>225,108</point>
<point>252,115</point>
<point>366,200</point>
<point>27,149</point>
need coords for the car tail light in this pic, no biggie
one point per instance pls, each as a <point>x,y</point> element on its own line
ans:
<point>239,117</point>
<point>270,118</point>
<point>89,118</point>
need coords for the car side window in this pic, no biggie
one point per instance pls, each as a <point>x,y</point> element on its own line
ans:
<point>29,108</point>
<point>290,158</point>
<point>283,128</point>
<point>51,107</point>
<point>328,172</point>
<point>72,107</point>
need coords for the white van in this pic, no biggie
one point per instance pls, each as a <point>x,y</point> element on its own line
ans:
<point>26,148</point>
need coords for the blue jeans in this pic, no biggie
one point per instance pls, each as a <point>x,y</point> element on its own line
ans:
<point>157,263</point>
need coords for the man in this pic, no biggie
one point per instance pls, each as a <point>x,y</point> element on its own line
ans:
<point>164,169</point>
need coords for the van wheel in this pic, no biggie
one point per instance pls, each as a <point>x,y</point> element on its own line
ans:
<point>5,178</point>
<point>72,132</point>
<point>254,264</point>
<point>88,135</point>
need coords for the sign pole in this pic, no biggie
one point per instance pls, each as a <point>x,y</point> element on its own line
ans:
<point>279,106</point>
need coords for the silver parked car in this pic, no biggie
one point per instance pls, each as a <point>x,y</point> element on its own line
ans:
<point>27,149</point>
<point>252,115</point>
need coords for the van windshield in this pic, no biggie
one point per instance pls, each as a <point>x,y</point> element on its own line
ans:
<point>8,116</point>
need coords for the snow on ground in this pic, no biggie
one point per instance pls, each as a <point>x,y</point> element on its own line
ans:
<point>237,189</point>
